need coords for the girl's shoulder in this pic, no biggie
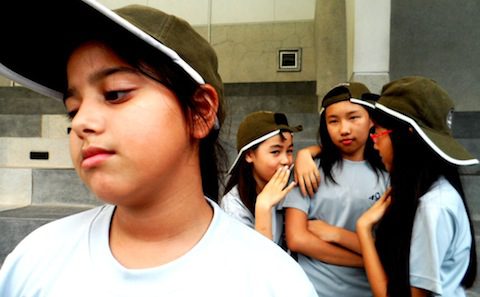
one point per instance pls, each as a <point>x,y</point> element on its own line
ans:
<point>60,232</point>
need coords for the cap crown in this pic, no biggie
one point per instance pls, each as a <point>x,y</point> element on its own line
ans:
<point>260,123</point>
<point>426,107</point>
<point>344,91</point>
<point>178,35</point>
<point>422,100</point>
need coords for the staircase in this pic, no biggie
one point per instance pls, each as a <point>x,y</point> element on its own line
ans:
<point>38,183</point>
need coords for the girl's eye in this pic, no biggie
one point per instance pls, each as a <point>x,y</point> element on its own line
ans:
<point>275,152</point>
<point>71,114</point>
<point>290,151</point>
<point>116,96</point>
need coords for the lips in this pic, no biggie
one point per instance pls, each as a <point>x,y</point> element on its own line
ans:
<point>94,156</point>
<point>346,141</point>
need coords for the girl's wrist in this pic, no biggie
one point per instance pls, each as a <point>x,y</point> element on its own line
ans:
<point>262,205</point>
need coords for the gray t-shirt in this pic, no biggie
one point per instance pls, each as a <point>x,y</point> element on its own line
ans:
<point>340,204</point>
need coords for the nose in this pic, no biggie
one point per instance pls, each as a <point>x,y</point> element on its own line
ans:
<point>88,120</point>
<point>286,159</point>
<point>344,128</point>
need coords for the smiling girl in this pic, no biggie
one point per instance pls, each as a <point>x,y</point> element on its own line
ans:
<point>259,176</point>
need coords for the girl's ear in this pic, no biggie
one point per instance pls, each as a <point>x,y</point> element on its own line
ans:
<point>371,124</point>
<point>249,156</point>
<point>206,106</point>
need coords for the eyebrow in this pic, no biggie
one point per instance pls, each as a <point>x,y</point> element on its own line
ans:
<point>279,146</point>
<point>97,76</point>
<point>348,114</point>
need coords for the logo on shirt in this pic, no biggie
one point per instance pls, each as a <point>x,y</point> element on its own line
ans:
<point>375,196</point>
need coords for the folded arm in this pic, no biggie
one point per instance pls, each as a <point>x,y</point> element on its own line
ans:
<point>301,240</point>
<point>336,235</point>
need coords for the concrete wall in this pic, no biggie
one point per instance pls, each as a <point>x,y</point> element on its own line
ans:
<point>439,39</point>
<point>247,34</point>
<point>330,44</point>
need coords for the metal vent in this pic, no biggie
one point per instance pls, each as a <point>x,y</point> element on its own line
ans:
<point>290,59</point>
<point>38,155</point>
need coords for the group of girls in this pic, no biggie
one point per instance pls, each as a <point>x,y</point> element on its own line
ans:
<point>379,208</point>
<point>143,93</point>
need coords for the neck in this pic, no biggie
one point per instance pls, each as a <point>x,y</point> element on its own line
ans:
<point>358,155</point>
<point>168,221</point>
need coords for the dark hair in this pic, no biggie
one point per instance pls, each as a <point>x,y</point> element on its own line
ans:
<point>156,65</point>
<point>242,177</point>
<point>330,153</point>
<point>415,167</point>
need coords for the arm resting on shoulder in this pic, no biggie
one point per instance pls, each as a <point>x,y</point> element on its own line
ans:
<point>306,171</point>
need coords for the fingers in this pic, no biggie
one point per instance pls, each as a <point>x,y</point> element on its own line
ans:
<point>280,177</point>
<point>289,187</point>
<point>303,188</point>
<point>386,197</point>
<point>309,183</point>
<point>314,182</point>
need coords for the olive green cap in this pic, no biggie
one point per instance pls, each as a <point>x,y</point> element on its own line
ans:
<point>427,107</point>
<point>259,126</point>
<point>35,48</point>
<point>354,92</point>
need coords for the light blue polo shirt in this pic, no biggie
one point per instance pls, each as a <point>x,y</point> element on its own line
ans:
<point>441,241</point>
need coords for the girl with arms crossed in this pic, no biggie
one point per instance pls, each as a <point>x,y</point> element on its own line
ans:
<point>321,229</point>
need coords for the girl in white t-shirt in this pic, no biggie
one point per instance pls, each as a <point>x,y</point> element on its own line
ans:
<point>144,96</point>
<point>423,244</point>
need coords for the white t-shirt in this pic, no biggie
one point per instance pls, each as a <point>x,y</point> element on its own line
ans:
<point>71,257</point>
<point>233,205</point>
<point>441,242</point>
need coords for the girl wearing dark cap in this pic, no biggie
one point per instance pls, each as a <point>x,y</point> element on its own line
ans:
<point>145,100</point>
<point>259,175</point>
<point>321,229</point>
<point>423,244</point>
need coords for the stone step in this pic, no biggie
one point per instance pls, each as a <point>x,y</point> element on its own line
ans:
<point>25,186</point>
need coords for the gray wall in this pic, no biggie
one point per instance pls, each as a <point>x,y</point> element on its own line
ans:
<point>439,39</point>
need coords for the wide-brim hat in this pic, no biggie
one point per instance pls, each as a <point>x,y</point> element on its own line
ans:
<point>259,126</point>
<point>355,92</point>
<point>424,105</point>
<point>38,37</point>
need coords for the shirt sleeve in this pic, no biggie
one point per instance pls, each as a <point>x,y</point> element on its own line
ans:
<point>432,234</point>
<point>233,206</point>
<point>294,199</point>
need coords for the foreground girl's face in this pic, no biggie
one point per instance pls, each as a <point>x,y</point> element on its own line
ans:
<point>128,132</point>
